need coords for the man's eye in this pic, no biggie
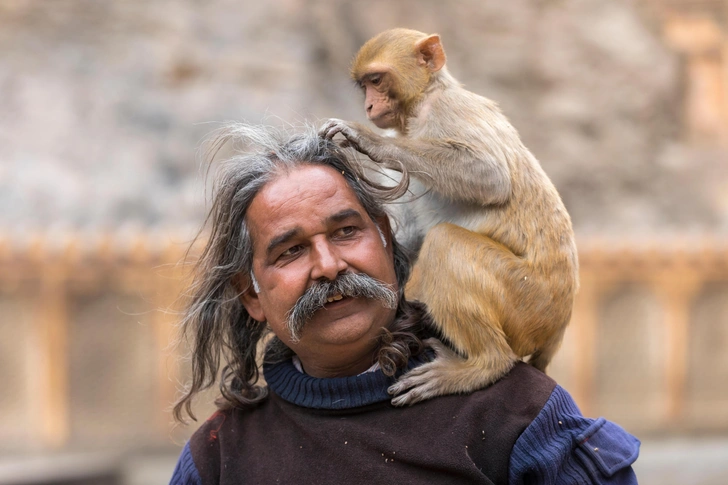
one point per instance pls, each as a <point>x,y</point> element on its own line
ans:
<point>292,251</point>
<point>346,231</point>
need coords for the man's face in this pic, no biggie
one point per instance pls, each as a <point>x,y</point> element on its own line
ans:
<point>307,225</point>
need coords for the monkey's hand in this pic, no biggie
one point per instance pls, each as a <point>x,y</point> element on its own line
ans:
<point>428,380</point>
<point>358,137</point>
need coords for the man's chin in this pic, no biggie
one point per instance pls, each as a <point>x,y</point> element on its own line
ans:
<point>342,321</point>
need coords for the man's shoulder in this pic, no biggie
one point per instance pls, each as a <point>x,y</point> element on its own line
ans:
<point>204,447</point>
<point>523,385</point>
<point>204,443</point>
<point>506,408</point>
<point>210,429</point>
<point>220,431</point>
<point>523,377</point>
<point>224,421</point>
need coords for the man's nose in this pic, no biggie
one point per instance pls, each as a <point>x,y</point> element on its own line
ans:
<point>327,262</point>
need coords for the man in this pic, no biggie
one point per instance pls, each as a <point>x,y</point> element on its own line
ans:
<point>300,244</point>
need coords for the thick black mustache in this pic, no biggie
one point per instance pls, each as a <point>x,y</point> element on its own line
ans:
<point>348,285</point>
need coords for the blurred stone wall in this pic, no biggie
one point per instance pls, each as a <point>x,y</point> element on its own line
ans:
<point>103,104</point>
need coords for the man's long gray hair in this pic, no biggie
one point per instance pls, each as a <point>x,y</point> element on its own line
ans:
<point>223,338</point>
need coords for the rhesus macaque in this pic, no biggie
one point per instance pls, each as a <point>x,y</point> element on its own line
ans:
<point>497,263</point>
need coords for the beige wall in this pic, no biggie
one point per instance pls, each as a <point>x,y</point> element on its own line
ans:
<point>93,367</point>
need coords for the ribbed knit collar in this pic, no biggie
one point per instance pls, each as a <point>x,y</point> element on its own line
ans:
<point>334,393</point>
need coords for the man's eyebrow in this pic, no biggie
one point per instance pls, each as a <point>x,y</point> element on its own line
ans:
<point>345,214</point>
<point>282,238</point>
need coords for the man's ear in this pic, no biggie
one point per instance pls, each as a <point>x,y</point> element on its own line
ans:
<point>249,298</point>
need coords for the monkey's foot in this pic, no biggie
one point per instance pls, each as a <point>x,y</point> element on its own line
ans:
<point>448,374</point>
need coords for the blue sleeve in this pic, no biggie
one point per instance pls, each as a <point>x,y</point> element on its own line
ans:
<point>185,473</point>
<point>562,447</point>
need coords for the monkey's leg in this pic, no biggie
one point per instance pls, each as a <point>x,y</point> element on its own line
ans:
<point>468,282</point>
<point>449,373</point>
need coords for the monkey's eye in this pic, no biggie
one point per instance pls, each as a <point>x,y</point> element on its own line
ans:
<point>376,80</point>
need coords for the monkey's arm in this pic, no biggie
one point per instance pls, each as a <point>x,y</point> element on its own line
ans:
<point>451,168</point>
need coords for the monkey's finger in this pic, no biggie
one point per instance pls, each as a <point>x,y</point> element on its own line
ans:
<point>408,399</point>
<point>331,128</point>
<point>324,131</point>
<point>426,389</point>
<point>331,132</point>
<point>399,387</point>
<point>329,123</point>
<point>349,143</point>
<point>343,128</point>
<point>416,377</point>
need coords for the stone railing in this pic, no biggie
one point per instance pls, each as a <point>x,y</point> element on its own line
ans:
<point>87,321</point>
<point>87,325</point>
<point>648,338</point>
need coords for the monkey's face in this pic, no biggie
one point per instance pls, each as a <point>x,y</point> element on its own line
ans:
<point>380,105</point>
<point>394,69</point>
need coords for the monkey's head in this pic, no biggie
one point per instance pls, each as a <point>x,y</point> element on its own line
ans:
<point>394,69</point>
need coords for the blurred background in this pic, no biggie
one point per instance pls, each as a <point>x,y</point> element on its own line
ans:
<point>103,106</point>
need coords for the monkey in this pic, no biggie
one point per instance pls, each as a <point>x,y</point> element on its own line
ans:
<point>496,261</point>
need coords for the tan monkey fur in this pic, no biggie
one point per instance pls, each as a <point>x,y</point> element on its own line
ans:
<point>497,263</point>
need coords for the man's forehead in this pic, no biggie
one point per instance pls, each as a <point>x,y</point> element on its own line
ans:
<point>301,197</point>
<point>295,185</point>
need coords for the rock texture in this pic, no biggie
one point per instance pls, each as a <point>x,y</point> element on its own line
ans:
<point>103,104</point>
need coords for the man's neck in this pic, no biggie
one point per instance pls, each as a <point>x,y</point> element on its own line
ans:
<point>327,369</point>
<point>299,367</point>
<point>301,389</point>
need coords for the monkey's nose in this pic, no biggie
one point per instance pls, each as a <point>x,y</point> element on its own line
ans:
<point>369,108</point>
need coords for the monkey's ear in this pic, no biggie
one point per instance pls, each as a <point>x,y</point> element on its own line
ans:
<point>430,53</point>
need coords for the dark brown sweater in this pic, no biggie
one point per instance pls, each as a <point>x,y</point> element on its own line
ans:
<point>331,431</point>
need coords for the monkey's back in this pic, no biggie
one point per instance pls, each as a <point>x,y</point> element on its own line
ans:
<point>533,223</point>
<point>534,209</point>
